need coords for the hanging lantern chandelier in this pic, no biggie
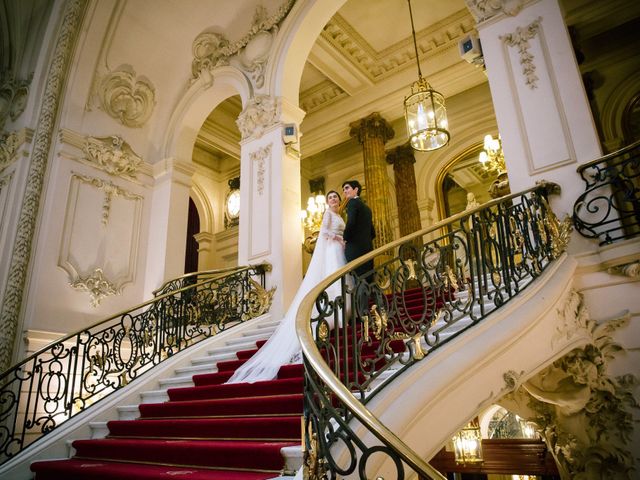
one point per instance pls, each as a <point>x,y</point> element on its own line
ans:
<point>424,110</point>
<point>467,444</point>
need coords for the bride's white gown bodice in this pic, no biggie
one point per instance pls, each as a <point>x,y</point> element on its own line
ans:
<point>283,344</point>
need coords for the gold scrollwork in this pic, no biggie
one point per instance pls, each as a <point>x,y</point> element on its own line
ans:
<point>258,299</point>
<point>411,266</point>
<point>380,321</point>
<point>560,231</point>
<point>323,331</point>
<point>313,468</point>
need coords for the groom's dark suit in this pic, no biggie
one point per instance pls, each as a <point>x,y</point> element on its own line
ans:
<point>359,233</point>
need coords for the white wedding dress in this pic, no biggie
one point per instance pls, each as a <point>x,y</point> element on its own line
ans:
<point>283,346</point>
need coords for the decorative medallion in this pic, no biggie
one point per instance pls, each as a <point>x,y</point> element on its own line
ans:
<point>126,97</point>
<point>520,39</point>
<point>113,155</point>
<point>97,285</point>
<point>261,112</point>
<point>259,157</point>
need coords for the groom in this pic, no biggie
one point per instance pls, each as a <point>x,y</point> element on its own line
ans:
<point>358,231</point>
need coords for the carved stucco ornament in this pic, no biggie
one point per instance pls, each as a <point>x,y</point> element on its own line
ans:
<point>520,39</point>
<point>261,112</point>
<point>582,412</point>
<point>13,98</point>
<point>128,98</point>
<point>113,155</point>
<point>97,285</point>
<point>212,49</point>
<point>486,9</point>
<point>259,157</point>
<point>628,269</point>
<point>9,144</point>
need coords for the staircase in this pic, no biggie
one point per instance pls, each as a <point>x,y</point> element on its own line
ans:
<point>207,430</point>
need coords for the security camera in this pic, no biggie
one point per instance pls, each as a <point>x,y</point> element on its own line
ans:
<point>289,133</point>
<point>471,50</point>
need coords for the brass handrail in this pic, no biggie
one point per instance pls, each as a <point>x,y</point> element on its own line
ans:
<point>315,360</point>
<point>83,367</point>
<point>608,156</point>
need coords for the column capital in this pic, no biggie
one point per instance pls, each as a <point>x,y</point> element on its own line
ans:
<point>371,126</point>
<point>402,154</point>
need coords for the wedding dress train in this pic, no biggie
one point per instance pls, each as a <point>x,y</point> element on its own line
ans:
<point>283,346</point>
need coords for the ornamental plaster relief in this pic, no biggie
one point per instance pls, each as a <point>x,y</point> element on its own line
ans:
<point>582,412</point>
<point>261,112</point>
<point>100,237</point>
<point>212,49</point>
<point>258,158</point>
<point>9,145</point>
<point>112,155</point>
<point>125,96</point>
<point>13,99</point>
<point>520,39</point>
<point>485,9</point>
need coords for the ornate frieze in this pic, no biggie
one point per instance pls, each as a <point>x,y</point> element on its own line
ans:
<point>261,112</point>
<point>13,99</point>
<point>259,158</point>
<point>573,318</point>
<point>97,285</point>
<point>125,96</point>
<point>113,155</point>
<point>520,39</point>
<point>486,9</point>
<point>582,411</point>
<point>212,49</point>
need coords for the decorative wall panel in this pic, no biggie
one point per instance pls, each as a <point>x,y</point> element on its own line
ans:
<point>539,108</point>
<point>100,236</point>
<point>260,201</point>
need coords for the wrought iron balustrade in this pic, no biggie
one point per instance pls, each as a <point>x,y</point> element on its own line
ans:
<point>64,378</point>
<point>609,208</point>
<point>424,290</point>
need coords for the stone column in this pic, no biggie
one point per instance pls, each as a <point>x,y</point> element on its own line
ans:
<point>270,229</point>
<point>402,160</point>
<point>541,106</point>
<point>372,132</point>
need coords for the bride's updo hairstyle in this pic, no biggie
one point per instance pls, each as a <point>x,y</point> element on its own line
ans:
<point>333,191</point>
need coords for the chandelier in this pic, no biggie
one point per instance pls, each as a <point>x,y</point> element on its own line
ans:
<point>491,157</point>
<point>424,110</point>
<point>311,218</point>
<point>467,444</point>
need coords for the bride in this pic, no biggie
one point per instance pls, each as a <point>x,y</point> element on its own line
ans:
<point>283,346</point>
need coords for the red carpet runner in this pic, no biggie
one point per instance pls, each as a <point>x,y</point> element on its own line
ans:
<point>208,432</point>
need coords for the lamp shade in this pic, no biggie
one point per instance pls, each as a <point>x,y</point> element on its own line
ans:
<point>426,117</point>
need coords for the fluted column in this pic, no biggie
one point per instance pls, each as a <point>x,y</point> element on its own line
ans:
<point>372,132</point>
<point>402,160</point>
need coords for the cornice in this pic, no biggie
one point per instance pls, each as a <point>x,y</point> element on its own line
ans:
<point>320,96</point>
<point>377,65</point>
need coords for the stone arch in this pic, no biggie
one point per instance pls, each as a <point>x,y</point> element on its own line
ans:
<point>299,32</point>
<point>614,108</point>
<point>204,207</point>
<point>197,103</point>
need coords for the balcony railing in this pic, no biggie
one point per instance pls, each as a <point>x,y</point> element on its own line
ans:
<point>424,290</point>
<point>66,377</point>
<point>609,209</point>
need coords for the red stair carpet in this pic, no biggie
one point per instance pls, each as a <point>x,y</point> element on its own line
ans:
<point>211,431</point>
<point>208,432</point>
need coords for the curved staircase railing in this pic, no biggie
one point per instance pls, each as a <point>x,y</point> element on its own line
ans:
<point>609,208</point>
<point>424,290</point>
<point>66,377</point>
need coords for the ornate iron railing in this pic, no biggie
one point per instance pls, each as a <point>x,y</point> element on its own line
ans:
<point>609,209</point>
<point>64,378</point>
<point>425,289</point>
